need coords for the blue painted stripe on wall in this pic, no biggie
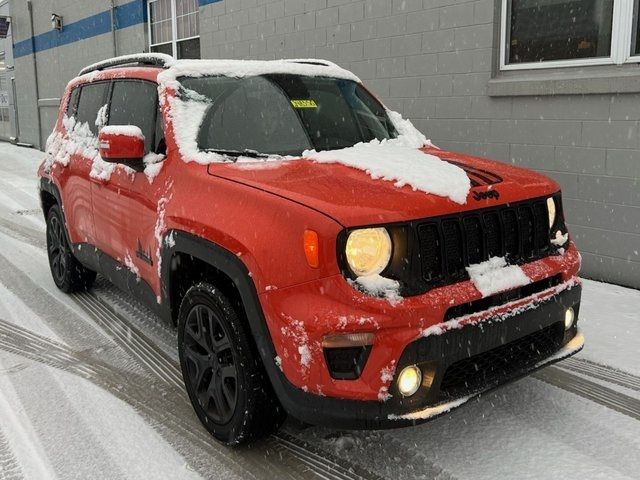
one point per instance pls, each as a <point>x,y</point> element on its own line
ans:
<point>207,2</point>
<point>127,15</point>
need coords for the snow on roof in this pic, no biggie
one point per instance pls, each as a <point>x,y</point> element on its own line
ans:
<point>248,68</point>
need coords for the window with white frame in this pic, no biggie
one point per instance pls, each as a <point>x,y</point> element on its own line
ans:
<point>565,33</point>
<point>174,27</point>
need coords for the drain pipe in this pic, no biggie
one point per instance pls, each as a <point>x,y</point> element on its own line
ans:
<point>35,72</point>
<point>113,28</point>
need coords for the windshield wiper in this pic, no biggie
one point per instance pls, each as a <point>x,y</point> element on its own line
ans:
<point>247,152</point>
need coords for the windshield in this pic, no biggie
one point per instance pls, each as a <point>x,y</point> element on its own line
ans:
<point>286,114</point>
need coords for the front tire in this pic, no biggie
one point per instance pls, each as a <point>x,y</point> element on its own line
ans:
<point>68,273</point>
<point>222,371</point>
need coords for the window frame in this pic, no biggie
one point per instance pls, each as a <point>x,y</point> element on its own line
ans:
<point>174,29</point>
<point>621,35</point>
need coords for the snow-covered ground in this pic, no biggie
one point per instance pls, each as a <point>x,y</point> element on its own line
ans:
<point>89,388</point>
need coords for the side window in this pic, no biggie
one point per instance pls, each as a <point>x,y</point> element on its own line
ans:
<point>72,106</point>
<point>92,99</point>
<point>135,102</point>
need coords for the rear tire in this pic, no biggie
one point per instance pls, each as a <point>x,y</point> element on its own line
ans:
<point>68,273</point>
<point>222,371</point>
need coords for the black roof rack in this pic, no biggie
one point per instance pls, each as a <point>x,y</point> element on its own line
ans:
<point>159,60</point>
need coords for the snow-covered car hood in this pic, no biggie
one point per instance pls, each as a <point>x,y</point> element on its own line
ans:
<point>353,198</point>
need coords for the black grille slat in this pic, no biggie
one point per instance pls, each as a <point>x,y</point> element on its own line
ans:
<point>511,233</point>
<point>430,250</point>
<point>453,249</point>
<point>474,238</point>
<point>525,222</point>
<point>493,234</point>
<point>541,226</point>
<point>447,245</point>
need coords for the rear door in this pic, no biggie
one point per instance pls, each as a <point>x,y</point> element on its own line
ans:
<point>124,207</point>
<point>85,103</point>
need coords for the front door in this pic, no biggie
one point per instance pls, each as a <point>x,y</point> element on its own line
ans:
<point>125,206</point>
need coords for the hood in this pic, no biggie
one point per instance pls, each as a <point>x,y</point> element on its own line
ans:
<point>353,198</point>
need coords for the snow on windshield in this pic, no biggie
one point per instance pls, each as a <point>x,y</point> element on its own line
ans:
<point>397,160</point>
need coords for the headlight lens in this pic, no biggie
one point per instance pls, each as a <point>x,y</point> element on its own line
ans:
<point>368,251</point>
<point>551,208</point>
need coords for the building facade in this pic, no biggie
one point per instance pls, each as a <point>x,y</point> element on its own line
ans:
<point>8,119</point>
<point>552,85</point>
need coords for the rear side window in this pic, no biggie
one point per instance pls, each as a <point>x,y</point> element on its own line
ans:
<point>135,102</point>
<point>72,106</point>
<point>92,98</point>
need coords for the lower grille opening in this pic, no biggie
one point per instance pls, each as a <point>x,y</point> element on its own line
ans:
<point>490,368</point>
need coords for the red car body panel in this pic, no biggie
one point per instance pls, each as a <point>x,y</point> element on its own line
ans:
<point>260,213</point>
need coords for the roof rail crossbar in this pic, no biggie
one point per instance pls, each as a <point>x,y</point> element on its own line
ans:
<point>145,59</point>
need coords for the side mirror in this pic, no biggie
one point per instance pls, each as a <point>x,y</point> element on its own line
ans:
<point>122,144</point>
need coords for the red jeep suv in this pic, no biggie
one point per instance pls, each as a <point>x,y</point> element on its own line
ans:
<point>318,255</point>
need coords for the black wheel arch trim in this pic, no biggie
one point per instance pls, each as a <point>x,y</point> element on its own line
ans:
<point>47,185</point>
<point>305,406</point>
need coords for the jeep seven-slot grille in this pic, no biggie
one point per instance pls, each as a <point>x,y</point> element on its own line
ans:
<point>518,231</point>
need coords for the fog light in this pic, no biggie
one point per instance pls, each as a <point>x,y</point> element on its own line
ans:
<point>569,317</point>
<point>409,380</point>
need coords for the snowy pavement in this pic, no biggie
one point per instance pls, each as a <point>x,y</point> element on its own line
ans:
<point>90,388</point>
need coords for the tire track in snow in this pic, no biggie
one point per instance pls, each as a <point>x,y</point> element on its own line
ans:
<point>316,462</point>
<point>156,402</point>
<point>283,443</point>
<point>23,233</point>
<point>589,390</point>
<point>25,343</point>
<point>9,466</point>
<point>601,372</point>
<point>166,410</point>
<point>129,338</point>
<point>159,408</point>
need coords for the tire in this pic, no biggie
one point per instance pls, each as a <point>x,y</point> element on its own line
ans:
<point>222,371</point>
<point>68,273</point>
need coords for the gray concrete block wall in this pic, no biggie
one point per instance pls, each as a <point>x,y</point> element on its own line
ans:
<point>432,60</point>
<point>58,65</point>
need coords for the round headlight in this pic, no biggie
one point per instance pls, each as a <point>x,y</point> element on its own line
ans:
<point>368,251</point>
<point>551,208</point>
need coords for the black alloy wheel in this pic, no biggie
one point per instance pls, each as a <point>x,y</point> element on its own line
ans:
<point>222,370</point>
<point>57,248</point>
<point>210,363</point>
<point>68,273</point>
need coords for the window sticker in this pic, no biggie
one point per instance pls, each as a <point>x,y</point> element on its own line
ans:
<point>304,104</point>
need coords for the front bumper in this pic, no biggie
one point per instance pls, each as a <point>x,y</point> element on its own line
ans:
<point>462,363</point>
<point>430,412</point>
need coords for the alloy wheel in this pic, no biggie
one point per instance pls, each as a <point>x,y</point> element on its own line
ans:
<point>57,248</point>
<point>210,362</point>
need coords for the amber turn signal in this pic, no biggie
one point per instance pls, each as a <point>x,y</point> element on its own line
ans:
<point>311,248</point>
